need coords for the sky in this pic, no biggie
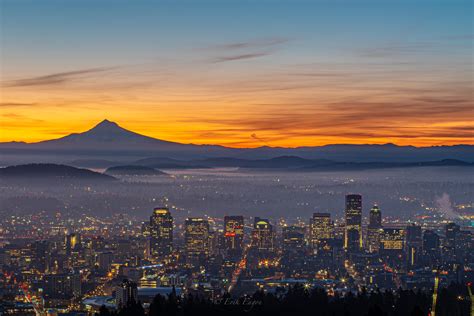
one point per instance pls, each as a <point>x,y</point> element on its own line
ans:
<point>240,73</point>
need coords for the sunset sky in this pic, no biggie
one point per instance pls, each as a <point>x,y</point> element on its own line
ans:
<point>240,73</point>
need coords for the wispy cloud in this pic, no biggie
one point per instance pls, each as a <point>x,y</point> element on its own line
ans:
<point>246,50</point>
<point>258,43</point>
<point>19,119</point>
<point>56,78</point>
<point>15,104</point>
<point>428,115</point>
<point>239,57</point>
<point>398,49</point>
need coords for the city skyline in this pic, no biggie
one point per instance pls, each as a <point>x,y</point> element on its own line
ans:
<point>237,157</point>
<point>240,74</point>
<point>138,265</point>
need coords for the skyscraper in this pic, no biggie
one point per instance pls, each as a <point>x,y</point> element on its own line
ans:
<point>392,247</point>
<point>431,247</point>
<point>464,246</point>
<point>262,235</point>
<point>413,244</point>
<point>161,233</point>
<point>233,233</point>
<point>375,217</point>
<point>196,238</point>
<point>293,238</point>
<point>293,256</point>
<point>449,248</point>
<point>374,230</point>
<point>62,285</point>
<point>126,293</point>
<point>73,243</point>
<point>392,240</point>
<point>321,228</point>
<point>41,250</point>
<point>353,229</point>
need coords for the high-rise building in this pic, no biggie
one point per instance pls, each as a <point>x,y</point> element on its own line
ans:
<point>104,260</point>
<point>126,293</point>
<point>293,256</point>
<point>464,246</point>
<point>413,244</point>
<point>262,235</point>
<point>161,233</point>
<point>392,240</point>
<point>41,251</point>
<point>214,242</point>
<point>320,228</point>
<point>233,233</point>
<point>449,248</point>
<point>196,238</point>
<point>60,286</point>
<point>353,225</point>
<point>374,230</point>
<point>431,247</point>
<point>375,216</point>
<point>73,243</point>
<point>293,238</point>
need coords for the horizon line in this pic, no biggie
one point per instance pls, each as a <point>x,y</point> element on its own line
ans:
<point>107,121</point>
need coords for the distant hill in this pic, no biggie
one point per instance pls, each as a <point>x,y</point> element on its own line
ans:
<point>107,141</point>
<point>57,172</point>
<point>133,171</point>
<point>292,163</point>
<point>339,166</point>
<point>51,171</point>
<point>285,162</point>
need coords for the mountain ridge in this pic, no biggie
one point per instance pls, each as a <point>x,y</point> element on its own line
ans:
<point>108,139</point>
<point>292,163</point>
<point>113,128</point>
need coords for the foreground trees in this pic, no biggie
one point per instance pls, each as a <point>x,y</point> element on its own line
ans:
<point>452,301</point>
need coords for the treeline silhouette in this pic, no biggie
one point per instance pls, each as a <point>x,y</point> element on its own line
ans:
<point>452,301</point>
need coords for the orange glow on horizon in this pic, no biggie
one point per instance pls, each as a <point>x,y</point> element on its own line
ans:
<point>170,132</point>
<point>224,107</point>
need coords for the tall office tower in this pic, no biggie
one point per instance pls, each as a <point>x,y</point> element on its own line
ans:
<point>233,233</point>
<point>293,256</point>
<point>214,242</point>
<point>353,229</point>
<point>62,286</point>
<point>41,251</point>
<point>104,260</point>
<point>449,248</point>
<point>320,228</point>
<point>413,244</point>
<point>293,238</point>
<point>375,217</point>
<point>196,239</point>
<point>464,246</point>
<point>262,235</point>
<point>431,247</point>
<point>126,293</point>
<point>161,233</point>
<point>374,230</point>
<point>392,241</point>
<point>73,243</point>
<point>146,229</point>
